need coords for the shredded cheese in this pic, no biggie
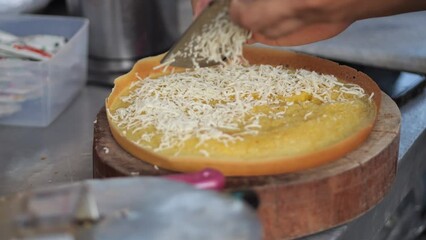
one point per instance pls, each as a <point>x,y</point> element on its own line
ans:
<point>106,150</point>
<point>307,116</point>
<point>370,98</point>
<point>205,153</point>
<point>220,103</point>
<point>220,42</point>
<point>164,65</point>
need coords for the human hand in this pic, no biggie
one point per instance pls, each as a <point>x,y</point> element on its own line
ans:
<point>296,22</point>
<point>198,6</point>
<point>304,35</point>
<point>291,22</point>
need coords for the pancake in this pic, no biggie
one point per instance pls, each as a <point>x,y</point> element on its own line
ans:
<point>285,112</point>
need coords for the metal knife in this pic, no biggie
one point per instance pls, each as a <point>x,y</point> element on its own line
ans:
<point>204,19</point>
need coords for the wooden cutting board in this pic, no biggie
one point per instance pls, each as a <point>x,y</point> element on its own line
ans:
<point>297,204</point>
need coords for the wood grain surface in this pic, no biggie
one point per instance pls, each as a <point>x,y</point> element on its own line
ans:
<point>296,204</point>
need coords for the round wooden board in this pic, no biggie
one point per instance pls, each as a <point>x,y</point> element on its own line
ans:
<point>296,204</point>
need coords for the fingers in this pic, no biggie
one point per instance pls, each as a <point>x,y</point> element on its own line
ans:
<point>256,15</point>
<point>304,35</point>
<point>282,28</point>
<point>198,6</point>
<point>286,22</point>
<point>193,4</point>
<point>280,22</point>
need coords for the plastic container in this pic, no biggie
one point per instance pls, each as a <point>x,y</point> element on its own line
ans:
<point>50,86</point>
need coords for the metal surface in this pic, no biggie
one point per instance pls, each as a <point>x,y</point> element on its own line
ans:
<point>62,152</point>
<point>108,66</point>
<point>127,208</point>
<point>395,42</point>
<point>105,71</point>
<point>128,29</point>
<point>195,29</point>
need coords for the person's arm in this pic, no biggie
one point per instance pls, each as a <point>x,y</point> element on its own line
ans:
<point>296,22</point>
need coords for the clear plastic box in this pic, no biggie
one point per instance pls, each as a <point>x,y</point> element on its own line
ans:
<point>52,84</point>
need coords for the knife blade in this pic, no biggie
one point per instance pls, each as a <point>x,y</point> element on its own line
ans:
<point>205,19</point>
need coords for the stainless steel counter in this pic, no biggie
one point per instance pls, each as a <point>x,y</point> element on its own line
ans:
<point>60,153</point>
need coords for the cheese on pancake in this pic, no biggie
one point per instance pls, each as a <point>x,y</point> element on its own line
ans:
<point>240,112</point>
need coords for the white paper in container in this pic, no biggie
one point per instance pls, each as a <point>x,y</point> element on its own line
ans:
<point>51,84</point>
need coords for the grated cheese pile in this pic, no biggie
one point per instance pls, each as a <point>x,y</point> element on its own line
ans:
<point>219,41</point>
<point>220,103</point>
